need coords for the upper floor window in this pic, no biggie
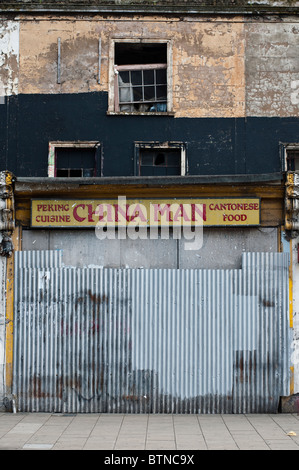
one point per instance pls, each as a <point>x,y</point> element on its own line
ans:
<point>292,159</point>
<point>160,159</point>
<point>141,77</point>
<point>74,159</point>
<point>75,162</point>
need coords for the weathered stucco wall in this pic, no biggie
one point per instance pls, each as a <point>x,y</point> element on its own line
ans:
<point>220,67</point>
<point>79,56</point>
<point>272,68</point>
<point>208,66</point>
<point>9,57</point>
<point>207,59</point>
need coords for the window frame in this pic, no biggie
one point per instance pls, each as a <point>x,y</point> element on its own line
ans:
<point>132,68</point>
<point>160,146</point>
<point>113,76</point>
<point>285,149</point>
<point>71,144</point>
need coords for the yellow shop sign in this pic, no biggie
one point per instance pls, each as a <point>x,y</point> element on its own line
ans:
<point>120,212</point>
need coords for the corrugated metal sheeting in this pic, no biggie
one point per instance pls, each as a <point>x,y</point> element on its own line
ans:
<point>151,340</point>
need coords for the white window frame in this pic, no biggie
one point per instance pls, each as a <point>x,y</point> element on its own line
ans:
<point>285,149</point>
<point>113,85</point>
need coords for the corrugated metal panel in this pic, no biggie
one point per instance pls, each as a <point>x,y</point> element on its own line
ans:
<point>38,259</point>
<point>262,351</point>
<point>153,340</point>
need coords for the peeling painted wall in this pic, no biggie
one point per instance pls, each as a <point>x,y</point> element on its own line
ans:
<point>272,68</point>
<point>220,67</point>
<point>207,58</point>
<point>208,65</point>
<point>9,57</point>
<point>229,68</point>
<point>39,51</point>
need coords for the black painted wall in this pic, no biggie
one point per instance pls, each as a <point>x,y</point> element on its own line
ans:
<point>215,146</point>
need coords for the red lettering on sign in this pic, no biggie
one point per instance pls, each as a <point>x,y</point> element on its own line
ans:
<point>119,210</point>
<point>181,213</point>
<point>201,211</point>
<point>90,213</point>
<point>75,214</point>
<point>161,210</point>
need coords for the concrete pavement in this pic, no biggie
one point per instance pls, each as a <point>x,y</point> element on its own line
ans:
<point>117,432</point>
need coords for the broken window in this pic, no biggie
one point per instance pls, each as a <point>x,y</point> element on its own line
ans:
<point>73,160</point>
<point>160,160</point>
<point>292,160</point>
<point>140,80</point>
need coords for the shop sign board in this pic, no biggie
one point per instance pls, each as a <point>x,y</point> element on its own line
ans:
<point>122,212</point>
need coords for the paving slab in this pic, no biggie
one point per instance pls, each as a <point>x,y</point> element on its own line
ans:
<point>148,432</point>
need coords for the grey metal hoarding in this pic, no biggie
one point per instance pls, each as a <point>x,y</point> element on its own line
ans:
<point>151,340</point>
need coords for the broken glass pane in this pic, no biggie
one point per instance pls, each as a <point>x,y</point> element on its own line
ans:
<point>148,77</point>
<point>137,94</point>
<point>136,77</point>
<point>161,76</point>
<point>149,93</point>
<point>161,92</point>
<point>123,77</point>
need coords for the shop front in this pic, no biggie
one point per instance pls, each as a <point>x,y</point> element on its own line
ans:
<point>154,297</point>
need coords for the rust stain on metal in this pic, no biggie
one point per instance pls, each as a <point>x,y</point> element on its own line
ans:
<point>246,367</point>
<point>97,298</point>
<point>268,303</point>
<point>241,369</point>
<point>64,383</point>
<point>36,388</point>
